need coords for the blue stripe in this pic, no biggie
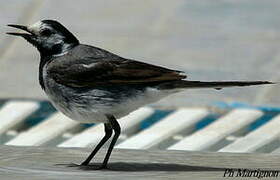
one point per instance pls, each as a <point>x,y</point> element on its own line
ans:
<point>207,120</point>
<point>244,105</point>
<point>155,117</point>
<point>44,111</point>
<point>269,112</point>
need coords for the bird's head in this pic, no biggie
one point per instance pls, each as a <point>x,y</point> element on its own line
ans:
<point>49,36</point>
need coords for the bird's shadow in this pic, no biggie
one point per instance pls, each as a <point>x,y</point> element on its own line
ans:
<point>134,167</point>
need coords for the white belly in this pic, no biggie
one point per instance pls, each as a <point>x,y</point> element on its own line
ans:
<point>95,112</point>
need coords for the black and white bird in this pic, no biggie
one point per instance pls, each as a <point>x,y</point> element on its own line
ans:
<point>92,85</point>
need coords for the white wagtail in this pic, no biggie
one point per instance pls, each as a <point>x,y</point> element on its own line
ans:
<point>92,85</point>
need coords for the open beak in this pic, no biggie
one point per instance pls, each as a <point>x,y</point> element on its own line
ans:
<point>29,34</point>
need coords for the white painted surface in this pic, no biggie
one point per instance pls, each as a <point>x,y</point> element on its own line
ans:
<point>45,131</point>
<point>257,138</point>
<point>14,112</point>
<point>213,133</point>
<point>175,122</point>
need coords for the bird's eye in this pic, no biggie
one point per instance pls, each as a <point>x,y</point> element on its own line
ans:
<point>46,32</point>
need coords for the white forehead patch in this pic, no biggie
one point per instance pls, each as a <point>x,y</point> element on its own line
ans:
<point>35,28</point>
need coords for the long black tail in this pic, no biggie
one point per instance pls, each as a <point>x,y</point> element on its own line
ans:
<point>211,84</point>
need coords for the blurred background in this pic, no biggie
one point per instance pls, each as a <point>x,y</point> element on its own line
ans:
<point>209,40</point>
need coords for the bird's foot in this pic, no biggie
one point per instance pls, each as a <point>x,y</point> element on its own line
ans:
<point>73,165</point>
<point>85,163</point>
<point>103,167</point>
<point>87,166</point>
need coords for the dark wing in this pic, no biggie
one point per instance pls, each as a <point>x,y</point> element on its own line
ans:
<point>92,71</point>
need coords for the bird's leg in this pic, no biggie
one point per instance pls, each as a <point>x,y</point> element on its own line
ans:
<point>117,129</point>
<point>108,134</point>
